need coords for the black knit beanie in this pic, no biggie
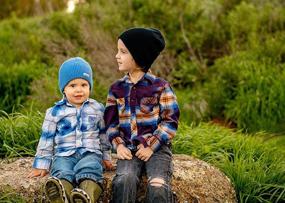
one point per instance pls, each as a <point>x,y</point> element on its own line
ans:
<point>144,44</point>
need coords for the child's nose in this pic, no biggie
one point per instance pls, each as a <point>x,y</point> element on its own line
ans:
<point>117,56</point>
<point>78,89</point>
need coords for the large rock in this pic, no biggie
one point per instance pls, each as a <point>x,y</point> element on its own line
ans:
<point>193,181</point>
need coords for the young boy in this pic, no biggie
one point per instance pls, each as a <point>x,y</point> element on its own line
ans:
<point>73,140</point>
<point>141,118</point>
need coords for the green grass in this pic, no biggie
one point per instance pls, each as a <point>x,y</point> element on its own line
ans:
<point>8,196</point>
<point>19,133</point>
<point>256,167</point>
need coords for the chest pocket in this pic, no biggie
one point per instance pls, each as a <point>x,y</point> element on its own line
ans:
<point>91,122</point>
<point>147,104</point>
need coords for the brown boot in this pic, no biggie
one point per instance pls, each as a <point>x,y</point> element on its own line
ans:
<point>88,192</point>
<point>58,190</point>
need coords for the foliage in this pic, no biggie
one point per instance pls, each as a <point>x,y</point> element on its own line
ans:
<point>203,39</point>
<point>15,83</point>
<point>193,105</point>
<point>256,167</point>
<point>19,40</point>
<point>248,89</point>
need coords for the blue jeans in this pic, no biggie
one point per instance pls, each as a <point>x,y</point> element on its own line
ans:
<point>77,167</point>
<point>128,174</point>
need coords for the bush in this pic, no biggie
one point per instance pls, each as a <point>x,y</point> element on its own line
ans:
<point>193,106</point>
<point>15,83</point>
<point>250,22</point>
<point>19,41</point>
<point>248,88</point>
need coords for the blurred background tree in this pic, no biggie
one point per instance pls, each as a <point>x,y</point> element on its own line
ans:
<point>22,8</point>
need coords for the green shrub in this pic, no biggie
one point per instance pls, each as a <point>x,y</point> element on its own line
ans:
<point>66,25</point>
<point>193,106</point>
<point>248,87</point>
<point>250,22</point>
<point>19,41</point>
<point>15,83</point>
<point>256,167</point>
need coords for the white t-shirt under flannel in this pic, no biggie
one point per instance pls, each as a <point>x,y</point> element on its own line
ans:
<point>67,129</point>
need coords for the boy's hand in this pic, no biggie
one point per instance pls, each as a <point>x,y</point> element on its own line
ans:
<point>108,165</point>
<point>144,153</point>
<point>123,152</point>
<point>38,172</point>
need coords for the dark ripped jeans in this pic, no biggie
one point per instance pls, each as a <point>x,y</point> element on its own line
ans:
<point>128,173</point>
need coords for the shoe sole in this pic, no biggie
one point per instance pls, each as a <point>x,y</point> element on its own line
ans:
<point>79,196</point>
<point>54,191</point>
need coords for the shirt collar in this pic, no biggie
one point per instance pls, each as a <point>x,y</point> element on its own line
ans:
<point>64,101</point>
<point>147,76</point>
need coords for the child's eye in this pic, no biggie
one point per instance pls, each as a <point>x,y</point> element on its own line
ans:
<point>84,85</point>
<point>72,85</point>
<point>123,51</point>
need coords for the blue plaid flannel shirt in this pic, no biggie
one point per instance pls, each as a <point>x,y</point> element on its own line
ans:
<point>67,129</point>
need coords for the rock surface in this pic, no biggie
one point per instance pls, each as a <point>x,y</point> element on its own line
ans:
<point>193,181</point>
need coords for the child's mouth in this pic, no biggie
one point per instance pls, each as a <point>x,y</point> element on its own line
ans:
<point>78,97</point>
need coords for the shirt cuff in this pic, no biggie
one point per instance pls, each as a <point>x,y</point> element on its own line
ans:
<point>116,141</point>
<point>154,143</point>
<point>42,163</point>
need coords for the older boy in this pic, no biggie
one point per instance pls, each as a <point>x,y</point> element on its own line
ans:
<point>141,118</point>
<point>73,141</point>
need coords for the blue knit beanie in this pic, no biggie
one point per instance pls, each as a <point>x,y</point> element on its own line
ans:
<point>74,68</point>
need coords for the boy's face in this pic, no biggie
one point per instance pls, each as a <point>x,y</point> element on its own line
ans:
<point>77,91</point>
<point>124,59</point>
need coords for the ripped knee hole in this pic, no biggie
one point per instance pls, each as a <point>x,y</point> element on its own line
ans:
<point>157,182</point>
